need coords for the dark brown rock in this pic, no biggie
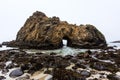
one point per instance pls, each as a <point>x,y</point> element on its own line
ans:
<point>5,43</point>
<point>113,77</point>
<point>104,66</point>
<point>4,71</point>
<point>62,74</point>
<point>2,65</point>
<point>42,32</point>
<point>116,41</point>
<point>2,78</point>
<point>0,45</point>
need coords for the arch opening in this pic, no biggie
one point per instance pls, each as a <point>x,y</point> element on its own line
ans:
<point>65,41</point>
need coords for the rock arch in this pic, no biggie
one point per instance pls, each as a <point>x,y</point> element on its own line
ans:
<point>42,32</point>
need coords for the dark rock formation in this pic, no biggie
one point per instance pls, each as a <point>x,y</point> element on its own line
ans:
<point>0,45</point>
<point>113,77</point>
<point>42,32</point>
<point>104,66</point>
<point>4,71</point>
<point>116,41</point>
<point>2,65</point>
<point>5,43</point>
<point>2,78</point>
<point>62,74</point>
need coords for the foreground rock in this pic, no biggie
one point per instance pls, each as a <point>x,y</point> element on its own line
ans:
<point>62,74</point>
<point>2,78</point>
<point>82,66</point>
<point>113,77</point>
<point>16,73</point>
<point>42,32</point>
<point>0,45</point>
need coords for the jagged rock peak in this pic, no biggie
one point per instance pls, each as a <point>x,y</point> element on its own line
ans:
<point>38,13</point>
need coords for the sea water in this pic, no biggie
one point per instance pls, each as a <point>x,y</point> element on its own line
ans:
<point>63,51</point>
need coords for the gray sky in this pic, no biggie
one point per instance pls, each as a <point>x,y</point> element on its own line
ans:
<point>104,14</point>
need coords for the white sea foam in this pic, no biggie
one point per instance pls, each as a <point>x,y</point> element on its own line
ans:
<point>6,48</point>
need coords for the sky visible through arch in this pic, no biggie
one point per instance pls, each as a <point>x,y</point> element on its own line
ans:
<point>104,14</point>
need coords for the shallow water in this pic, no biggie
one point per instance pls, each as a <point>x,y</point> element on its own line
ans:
<point>62,51</point>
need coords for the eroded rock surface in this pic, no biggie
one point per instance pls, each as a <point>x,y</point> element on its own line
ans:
<point>42,32</point>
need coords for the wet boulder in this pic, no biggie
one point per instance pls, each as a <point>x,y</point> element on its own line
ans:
<point>0,45</point>
<point>104,66</point>
<point>113,77</point>
<point>63,74</point>
<point>2,78</point>
<point>4,71</point>
<point>85,73</point>
<point>16,73</point>
<point>2,65</point>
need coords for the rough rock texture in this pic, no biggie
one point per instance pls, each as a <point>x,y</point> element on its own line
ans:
<point>42,32</point>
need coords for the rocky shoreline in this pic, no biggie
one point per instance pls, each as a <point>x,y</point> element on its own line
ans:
<point>96,65</point>
<point>46,33</point>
